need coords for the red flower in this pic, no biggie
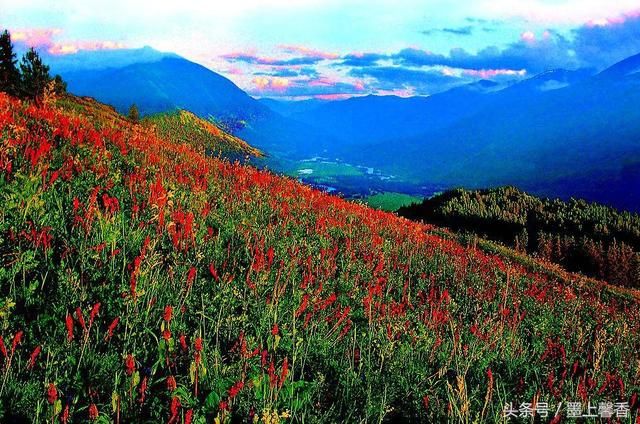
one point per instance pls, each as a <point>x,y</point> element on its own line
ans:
<point>168,312</point>
<point>17,339</point>
<point>171,383</point>
<point>3,348</point>
<point>183,342</point>
<point>191,276</point>
<point>94,313</point>
<point>303,305</point>
<point>143,388</point>
<point>425,402</point>
<point>174,409</point>
<point>284,372</point>
<point>69,325</point>
<point>80,318</point>
<point>197,344</point>
<point>188,417</point>
<point>166,334</point>
<point>65,415</point>
<point>112,328</point>
<point>130,364</point>
<point>34,356</point>
<point>275,330</point>
<point>52,394</point>
<point>93,412</point>
<point>235,389</point>
<point>213,272</point>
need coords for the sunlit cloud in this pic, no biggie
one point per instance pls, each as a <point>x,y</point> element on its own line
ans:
<point>45,38</point>
<point>308,52</point>
<point>492,73</point>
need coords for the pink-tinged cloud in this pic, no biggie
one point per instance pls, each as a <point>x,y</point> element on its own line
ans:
<point>308,52</point>
<point>45,38</point>
<point>35,37</point>
<point>271,83</point>
<point>359,85</point>
<point>75,46</point>
<point>492,73</point>
<point>528,37</point>
<point>398,92</point>
<point>617,20</point>
<point>323,82</point>
<point>333,97</point>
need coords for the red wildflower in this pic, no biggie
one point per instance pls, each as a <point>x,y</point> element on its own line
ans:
<point>174,409</point>
<point>188,417</point>
<point>93,412</point>
<point>69,325</point>
<point>143,388</point>
<point>213,272</point>
<point>275,330</point>
<point>270,255</point>
<point>168,312</point>
<point>191,276</point>
<point>171,383</point>
<point>303,305</point>
<point>80,318</point>
<point>223,405</point>
<point>52,393</point>
<point>183,342</point>
<point>197,344</point>
<point>65,415</point>
<point>3,348</point>
<point>273,378</point>
<point>166,334</point>
<point>130,364</point>
<point>112,328</point>
<point>17,339</point>
<point>235,389</point>
<point>94,313</point>
<point>33,357</point>
<point>284,372</point>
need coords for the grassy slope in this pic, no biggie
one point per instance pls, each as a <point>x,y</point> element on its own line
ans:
<point>184,127</point>
<point>390,201</point>
<point>284,300</point>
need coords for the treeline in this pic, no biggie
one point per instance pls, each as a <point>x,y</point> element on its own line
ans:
<point>28,80</point>
<point>589,238</point>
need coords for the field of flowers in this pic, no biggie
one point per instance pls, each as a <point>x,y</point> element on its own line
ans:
<point>142,281</point>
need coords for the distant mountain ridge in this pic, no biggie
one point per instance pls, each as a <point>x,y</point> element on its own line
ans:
<point>560,133</point>
<point>164,82</point>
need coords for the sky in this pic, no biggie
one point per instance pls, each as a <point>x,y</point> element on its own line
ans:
<point>333,49</point>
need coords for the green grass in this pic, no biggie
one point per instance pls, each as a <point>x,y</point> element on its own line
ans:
<point>391,201</point>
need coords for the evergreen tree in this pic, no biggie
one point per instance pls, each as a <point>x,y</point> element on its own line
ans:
<point>134,115</point>
<point>9,75</point>
<point>35,75</point>
<point>60,85</point>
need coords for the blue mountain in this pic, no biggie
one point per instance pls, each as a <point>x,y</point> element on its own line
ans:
<point>159,82</point>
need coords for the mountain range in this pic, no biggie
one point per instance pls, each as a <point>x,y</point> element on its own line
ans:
<point>560,133</point>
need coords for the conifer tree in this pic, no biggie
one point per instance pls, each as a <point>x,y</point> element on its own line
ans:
<point>35,75</point>
<point>134,114</point>
<point>9,75</point>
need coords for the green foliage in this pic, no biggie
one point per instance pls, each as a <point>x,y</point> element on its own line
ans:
<point>596,240</point>
<point>9,74</point>
<point>35,75</point>
<point>133,114</point>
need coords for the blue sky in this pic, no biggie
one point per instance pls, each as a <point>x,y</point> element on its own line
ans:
<point>340,48</point>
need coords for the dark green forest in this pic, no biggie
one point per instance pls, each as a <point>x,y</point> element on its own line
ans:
<point>589,238</point>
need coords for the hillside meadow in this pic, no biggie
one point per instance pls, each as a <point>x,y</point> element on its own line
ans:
<point>142,282</point>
